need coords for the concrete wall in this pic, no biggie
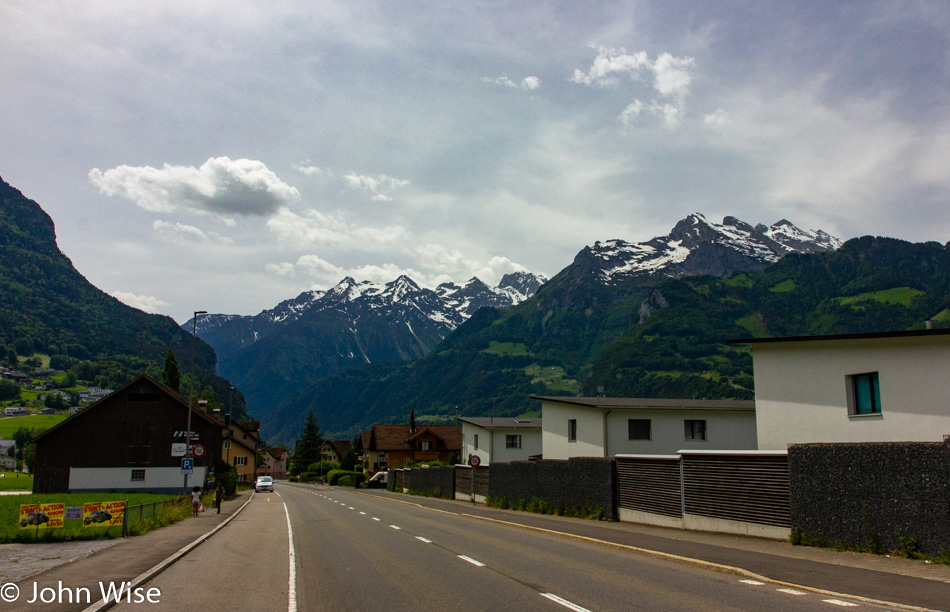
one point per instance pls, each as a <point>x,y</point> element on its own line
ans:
<point>870,495</point>
<point>725,430</point>
<point>580,483</point>
<point>801,391</point>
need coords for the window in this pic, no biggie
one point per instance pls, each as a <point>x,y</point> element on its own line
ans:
<point>425,445</point>
<point>241,460</point>
<point>476,441</point>
<point>864,394</point>
<point>227,444</point>
<point>638,429</point>
<point>513,441</point>
<point>572,430</point>
<point>695,430</point>
<point>138,475</point>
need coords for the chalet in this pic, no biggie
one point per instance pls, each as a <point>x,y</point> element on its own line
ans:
<point>334,450</point>
<point>273,463</point>
<point>397,445</point>
<point>127,441</point>
<point>500,439</point>
<point>870,387</point>
<point>241,441</point>
<point>607,427</point>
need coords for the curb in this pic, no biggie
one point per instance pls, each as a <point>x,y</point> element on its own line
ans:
<point>163,565</point>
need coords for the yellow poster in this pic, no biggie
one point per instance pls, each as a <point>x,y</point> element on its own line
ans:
<point>42,516</point>
<point>103,514</point>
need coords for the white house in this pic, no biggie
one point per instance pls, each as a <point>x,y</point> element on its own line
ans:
<point>500,439</point>
<point>608,426</point>
<point>874,387</point>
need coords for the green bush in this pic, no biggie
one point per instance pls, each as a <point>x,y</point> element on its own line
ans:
<point>333,478</point>
<point>346,481</point>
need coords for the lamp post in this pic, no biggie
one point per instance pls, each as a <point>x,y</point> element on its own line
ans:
<point>228,423</point>
<point>191,396</point>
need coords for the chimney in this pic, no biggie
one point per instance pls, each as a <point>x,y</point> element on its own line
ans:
<point>929,324</point>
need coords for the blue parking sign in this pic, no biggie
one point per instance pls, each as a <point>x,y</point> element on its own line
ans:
<point>187,466</point>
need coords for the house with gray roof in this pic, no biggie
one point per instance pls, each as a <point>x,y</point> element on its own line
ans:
<point>500,439</point>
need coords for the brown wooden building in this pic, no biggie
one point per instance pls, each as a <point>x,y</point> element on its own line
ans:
<point>393,446</point>
<point>125,442</point>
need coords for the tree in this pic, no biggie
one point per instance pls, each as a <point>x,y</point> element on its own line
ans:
<point>29,457</point>
<point>9,390</point>
<point>308,448</point>
<point>171,376</point>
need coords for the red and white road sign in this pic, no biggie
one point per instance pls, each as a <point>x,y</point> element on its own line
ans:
<point>199,450</point>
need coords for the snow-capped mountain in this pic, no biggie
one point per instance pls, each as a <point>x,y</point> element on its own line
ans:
<point>697,246</point>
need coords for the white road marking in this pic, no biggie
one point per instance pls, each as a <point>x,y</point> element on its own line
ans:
<point>363,513</point>
<point>395,527</point>
<point>564,602</point>
<point>754,582</point>
<point>472,561</point>
<point>422,539</point>
<point>792,592</point>
<point>375,519</point>
<point>351,507</point>
<point>292,582</point>
<point>838,602</point>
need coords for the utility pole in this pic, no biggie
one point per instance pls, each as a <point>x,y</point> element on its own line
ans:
<point>191,396</point>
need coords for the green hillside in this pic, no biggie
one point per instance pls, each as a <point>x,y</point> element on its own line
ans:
<point>580,336</point>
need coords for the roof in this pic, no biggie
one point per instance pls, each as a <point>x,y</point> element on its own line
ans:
<point>340,447</point>
<point>396,437</point>
<point>503,422</point>
<point>365,438</point>
<point>914,333</point>
<point>276,452</point>
<point>181,399</point>
<point>649,403</point>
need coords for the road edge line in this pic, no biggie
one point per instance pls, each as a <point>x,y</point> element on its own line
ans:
<point>719,567</point>
<point>169,561</point>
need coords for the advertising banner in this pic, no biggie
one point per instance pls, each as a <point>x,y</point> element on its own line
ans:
<point>42,516</point>
<point>103,514</point>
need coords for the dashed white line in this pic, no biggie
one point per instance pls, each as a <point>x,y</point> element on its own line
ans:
<point>351,507</point>
<point>564,602</point>
<point>838,602</point>
<point>363,513</point>
<point>472,561</point>
<point>395,527</point>
<point>422,539</point>
<point>375,519</point>
<point>752,582</point>
<point>792,592</point>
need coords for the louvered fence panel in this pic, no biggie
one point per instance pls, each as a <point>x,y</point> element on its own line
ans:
<point>749,488</point>
<point>650,485</point>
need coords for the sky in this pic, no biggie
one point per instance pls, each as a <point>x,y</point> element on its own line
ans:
<point>226,156</point>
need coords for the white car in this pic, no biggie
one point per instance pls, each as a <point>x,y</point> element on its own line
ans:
<point>264,483</point>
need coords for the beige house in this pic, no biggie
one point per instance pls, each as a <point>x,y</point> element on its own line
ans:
<point>239,448</point>
<point>500,439</point>
<point>874,387</point>
<point>609,426</point>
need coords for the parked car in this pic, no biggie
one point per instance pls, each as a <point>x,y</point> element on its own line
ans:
<point>264,483</point>
<point>378,481</point>
<point>34,518</point>
<point>99,516</point>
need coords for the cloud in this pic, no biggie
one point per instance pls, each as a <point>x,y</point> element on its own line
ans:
<point>716,118</point>
<point>317,229</point>
<point>529,83</point>
<point>373,184</point>
<point>180,231</point>
<point>147,303</point>
<point>220,186</point>
<point>671,81</point>
<point>307,169</point>
<point>454,264</point>
<point>281,269</point>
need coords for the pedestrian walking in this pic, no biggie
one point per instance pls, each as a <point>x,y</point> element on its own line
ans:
<point>218,494</point>
<point>196,499</point>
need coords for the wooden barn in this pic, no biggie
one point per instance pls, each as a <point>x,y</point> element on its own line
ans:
<point>131,440</point>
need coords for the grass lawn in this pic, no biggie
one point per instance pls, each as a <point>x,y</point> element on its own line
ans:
<point>15,482</point>
<point>898,295</point>
<point>8,425</point>
<point>506,348</point>
<point>74,529</point>
<point>552,377</point>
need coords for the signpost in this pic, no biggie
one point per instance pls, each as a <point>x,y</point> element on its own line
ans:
<point>187,466</point>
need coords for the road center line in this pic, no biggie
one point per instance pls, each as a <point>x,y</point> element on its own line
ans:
<point>395,527</point>
<point>375,519</point>
<point>792,591</point>
<point>420,538</point>
<point>564,602</point>
<point>472,561</point>
<point>292,581</point>
<point>838,602</point>
<point>752,582</point>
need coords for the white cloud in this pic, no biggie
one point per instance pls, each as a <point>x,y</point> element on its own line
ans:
<point>716,118</point>
<point>180,231</point>
<point>630,114</point>
<point>671,75</point>
<point>317,229</point>
<point>219,186</point>
<point>452,263</point>
<point>307,169</point>
<point>281,269</point>
<point>147,303</point>
<point>529,83</point>
<point>608,62</point>
<point>373,184</point>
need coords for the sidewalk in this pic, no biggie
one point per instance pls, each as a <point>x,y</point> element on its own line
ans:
<point>118,560</point>
<point>896,580</point>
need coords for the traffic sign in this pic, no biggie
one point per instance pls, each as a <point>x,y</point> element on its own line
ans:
<point>187,466</point>
<point>199,450</point>
<point>178,449</point>
<point>474,460</point>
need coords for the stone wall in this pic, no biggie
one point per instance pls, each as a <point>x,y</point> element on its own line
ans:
<point>574,484</point>
<point>871,495</point>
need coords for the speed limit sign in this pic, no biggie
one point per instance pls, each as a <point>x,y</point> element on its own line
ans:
<point>474,460</point>
<point>199,450</point>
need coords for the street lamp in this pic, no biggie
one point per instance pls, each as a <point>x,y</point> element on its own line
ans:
<point>228,424</point>
<point>191,396</point>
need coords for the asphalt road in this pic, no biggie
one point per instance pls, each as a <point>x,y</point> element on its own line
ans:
<point>358,552</point>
